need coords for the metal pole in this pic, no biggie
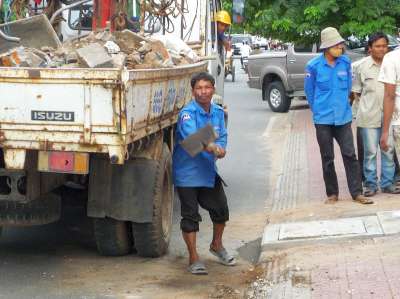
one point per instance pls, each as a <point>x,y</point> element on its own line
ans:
<point>182,9</point>
<point>9,38</point>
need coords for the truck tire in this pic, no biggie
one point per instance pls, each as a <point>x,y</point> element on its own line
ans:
<point>275,95</point>
<point>152,239</point>
<point>113,237</point>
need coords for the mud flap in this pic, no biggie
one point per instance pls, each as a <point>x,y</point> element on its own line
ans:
<point>123,192</point>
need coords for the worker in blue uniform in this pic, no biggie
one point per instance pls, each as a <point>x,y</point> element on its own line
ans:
<point>196,178</point>
<point>327,86</point>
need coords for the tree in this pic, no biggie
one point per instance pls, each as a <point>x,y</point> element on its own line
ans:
<point>302,20</point>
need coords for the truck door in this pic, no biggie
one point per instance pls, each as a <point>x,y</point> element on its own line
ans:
<point>297,58</point>
<point>216,66</point>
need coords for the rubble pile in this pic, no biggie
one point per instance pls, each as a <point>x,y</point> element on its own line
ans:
<point>124,49</point>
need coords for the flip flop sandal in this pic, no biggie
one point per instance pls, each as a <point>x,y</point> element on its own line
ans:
<point>224,257</point>
<point>197,268</point>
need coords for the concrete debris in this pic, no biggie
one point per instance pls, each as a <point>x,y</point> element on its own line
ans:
<point>112,48</point>
<point>24,57</point>
<point>94,56</point>
<point>124,49</point>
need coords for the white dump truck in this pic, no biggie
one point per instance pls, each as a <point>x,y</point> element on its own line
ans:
<point>110,130</point>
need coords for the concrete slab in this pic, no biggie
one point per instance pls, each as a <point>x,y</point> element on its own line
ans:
<point>299,233</point>
<point>390,221</point>
<point>315,229</point>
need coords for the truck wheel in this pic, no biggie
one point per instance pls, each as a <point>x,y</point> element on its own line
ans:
<point>113,237</point>
<point>152,239</point>
<point>276,96</point>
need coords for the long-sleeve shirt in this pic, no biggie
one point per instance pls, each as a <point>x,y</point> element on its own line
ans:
<point>327,89</point>
<point>198,171</point>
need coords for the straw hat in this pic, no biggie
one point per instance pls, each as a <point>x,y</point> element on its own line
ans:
<point>330,37</point>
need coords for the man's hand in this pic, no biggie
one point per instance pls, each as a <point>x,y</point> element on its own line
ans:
<point>218,151</point>
<point>221,153</point>
<point>384,141</point>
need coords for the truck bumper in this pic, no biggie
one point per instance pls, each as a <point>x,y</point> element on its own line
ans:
<point>254,83</point>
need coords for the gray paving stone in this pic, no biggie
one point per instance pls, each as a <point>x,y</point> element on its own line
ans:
<point>390,221</point>
<point>297,233</point>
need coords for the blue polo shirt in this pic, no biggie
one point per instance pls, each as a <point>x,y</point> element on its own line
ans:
<point>199,171</point>
<point>327,90</point>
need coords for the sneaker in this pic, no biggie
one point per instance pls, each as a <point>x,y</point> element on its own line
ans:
<point>369,192</point>
<point>391,189</point>
<point>362,200</point>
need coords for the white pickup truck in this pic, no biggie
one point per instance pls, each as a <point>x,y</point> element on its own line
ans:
<point>111,130</point>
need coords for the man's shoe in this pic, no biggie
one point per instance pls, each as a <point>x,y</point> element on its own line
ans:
<point>332,199</point>
<point>362,200</point>
<point>391,189</point>
<point>368,192</point>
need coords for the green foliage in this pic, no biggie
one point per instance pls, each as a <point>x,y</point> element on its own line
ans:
<point>302,20</point>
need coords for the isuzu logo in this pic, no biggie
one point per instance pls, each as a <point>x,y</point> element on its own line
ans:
<point>52,115</point>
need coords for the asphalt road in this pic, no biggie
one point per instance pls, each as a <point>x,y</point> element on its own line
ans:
<point>60,260</point>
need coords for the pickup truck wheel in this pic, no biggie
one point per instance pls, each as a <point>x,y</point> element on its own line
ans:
<point>152,239</point>
<point>113,237</point>
<point>276,97</point>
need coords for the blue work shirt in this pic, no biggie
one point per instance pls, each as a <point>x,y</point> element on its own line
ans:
<point>199,171</point>
<point>327,90</point>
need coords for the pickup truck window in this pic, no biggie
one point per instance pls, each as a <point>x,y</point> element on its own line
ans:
<point>303,48</point>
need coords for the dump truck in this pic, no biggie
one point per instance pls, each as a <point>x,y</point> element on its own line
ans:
<point>110,130</point>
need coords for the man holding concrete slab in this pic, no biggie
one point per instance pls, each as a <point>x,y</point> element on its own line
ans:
<point>201,139</point>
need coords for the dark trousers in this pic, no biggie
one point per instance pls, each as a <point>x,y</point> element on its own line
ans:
<point>344,137</point>
<point>360,152</point>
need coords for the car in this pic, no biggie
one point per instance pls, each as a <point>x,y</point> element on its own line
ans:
<point>360,45</point>
<point>280,74</point>
<point>237,41</point>
<point>260,42</point>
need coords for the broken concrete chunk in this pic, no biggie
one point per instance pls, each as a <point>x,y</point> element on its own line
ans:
<point>158,47</point>
<point>128,39</point>
<point>145,48</point>
<point>71,57</point>
<point>112,48</point>
<point>12,57</point>
<point>118,60</point>
<point>94,56</point>
<point>33,60</point>
<point>132,60</point>
<point>154,59</point>
<point>21,57</point>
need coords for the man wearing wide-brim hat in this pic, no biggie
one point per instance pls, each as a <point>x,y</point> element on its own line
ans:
<point>327,86</point>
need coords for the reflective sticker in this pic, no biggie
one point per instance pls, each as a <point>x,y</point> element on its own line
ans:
<point>186,117</point>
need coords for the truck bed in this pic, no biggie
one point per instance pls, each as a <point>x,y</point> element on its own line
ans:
<point>89,110</point>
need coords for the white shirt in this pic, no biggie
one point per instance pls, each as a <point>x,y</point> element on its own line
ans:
<point>245,50</point>
<point>365,82</point>
<point>390,73</point>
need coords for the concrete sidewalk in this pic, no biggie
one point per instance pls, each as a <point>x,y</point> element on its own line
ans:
<point>364,264</point>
